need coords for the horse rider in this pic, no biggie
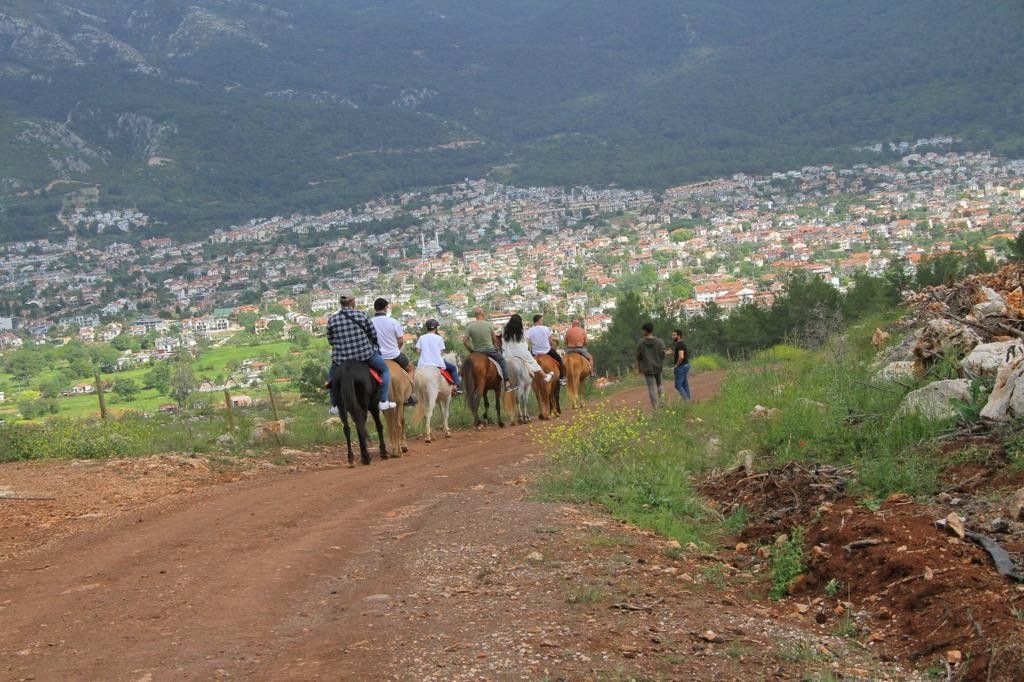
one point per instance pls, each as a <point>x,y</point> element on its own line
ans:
<point>576,342</point>
<point>480,338</point>
<point>352,337</point>
<point>539,335</point>
<point>390,339</point>
<point>431,348</point>
<point>514,346</point>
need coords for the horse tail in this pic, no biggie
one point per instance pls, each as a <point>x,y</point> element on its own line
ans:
<point>469,382</point>
<point>421,411</point>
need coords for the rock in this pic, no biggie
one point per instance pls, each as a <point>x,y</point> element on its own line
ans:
<point>225,439</point>
<point>1015,302</point>
<point>711,636</point>
<point>535,556</point>
<point>747,458</point>
<point>1007,398</point>
<point>673,544</point>
<point>271,428</point>
<point>378,597</point>
<point>954,657</point>
<point>935,401</point>
<point>943,338</point>
<point>955,525</point>
<point>999,525</point>
<point>988,302</point>
<point>741,547</point>
<point>987,358</point>
<point>1016,506</point>
<point>929,574</point>
<point>894,371</point>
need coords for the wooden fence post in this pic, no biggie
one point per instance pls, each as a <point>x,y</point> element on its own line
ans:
<point>273,402</point>
<point>230,414</point>
<point>99,394</point>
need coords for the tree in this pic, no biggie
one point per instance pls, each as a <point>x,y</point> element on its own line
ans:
<point>126,389</point>
<point>159,377</point>
<point>310,380</point>
<point>25,363</point>
<point>1017,248</point>
<point>182,383</point>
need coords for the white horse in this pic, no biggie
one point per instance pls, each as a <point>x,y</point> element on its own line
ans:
<point>431,389</point>
<point>521,376</point>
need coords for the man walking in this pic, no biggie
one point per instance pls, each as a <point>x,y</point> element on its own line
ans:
<point>539,335</point>
<point>390,339</point>
<point>681,367</point>
<point>650,354</point>
<point>352,337</point>
<point>480,337</point>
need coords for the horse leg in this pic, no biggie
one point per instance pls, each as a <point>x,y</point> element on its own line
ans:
<point>359,416</point>
<point>497,408</point>
<point>445,407</point>
<point>403,446</point>
<point>428,411</point>
<point>380,432</point>
<point>348,436</point>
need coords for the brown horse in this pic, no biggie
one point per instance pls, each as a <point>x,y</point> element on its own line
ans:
<point>480,375</point>
<point>577,368</point>
<point>401,389</point>
<point>548,394</point>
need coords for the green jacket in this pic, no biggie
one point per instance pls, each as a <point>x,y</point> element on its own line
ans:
<point>650,355</point>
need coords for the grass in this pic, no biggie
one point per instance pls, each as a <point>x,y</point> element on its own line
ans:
<point>587,595</point>
<point>787,562</point>
<point>828,409</point>
<point>798,652</point>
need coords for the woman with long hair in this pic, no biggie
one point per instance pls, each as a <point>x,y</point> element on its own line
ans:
<point>513,345</point>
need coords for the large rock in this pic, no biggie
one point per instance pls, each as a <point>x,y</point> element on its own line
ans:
<point>943,338</point>
<point>986,358</point>
<point>1007,399</point>
<point>894,371</point>
<point>988,302</point>
<point>937,400</point>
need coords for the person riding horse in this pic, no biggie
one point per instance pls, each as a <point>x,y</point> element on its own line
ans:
<point>390,338</point>
<point>480,337</point>
<point>431,348</point>
<point>352,337</point>
<point>514,346</point>
<point>539,335</point>
<point>576,341</point>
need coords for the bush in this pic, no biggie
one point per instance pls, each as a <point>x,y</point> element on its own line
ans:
<point>780,353</point>
<point>707,363</point>
<point>77,439</point>
<point>787,563</point>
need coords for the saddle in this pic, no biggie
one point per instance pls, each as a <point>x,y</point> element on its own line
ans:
<point>447,376</point>
<point>376,376</point>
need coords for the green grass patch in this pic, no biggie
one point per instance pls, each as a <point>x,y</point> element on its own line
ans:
<point>787,563</point>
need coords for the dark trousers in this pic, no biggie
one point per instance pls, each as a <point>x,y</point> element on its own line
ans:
<point>496,355</point>
<point>552,353</point>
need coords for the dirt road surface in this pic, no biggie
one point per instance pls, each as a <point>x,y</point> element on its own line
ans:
<point>435,566</point>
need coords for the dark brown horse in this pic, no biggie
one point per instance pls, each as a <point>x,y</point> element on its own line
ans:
<point>479,375</point>
<point>355,392</point>
<point>548,394</point>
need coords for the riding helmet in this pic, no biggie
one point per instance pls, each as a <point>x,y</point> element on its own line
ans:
<point>431,324</point>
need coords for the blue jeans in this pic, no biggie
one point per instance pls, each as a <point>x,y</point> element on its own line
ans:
<point>682,383</point>
<point>496,355</point>
<point>454,371</point>
<point>377,362</point>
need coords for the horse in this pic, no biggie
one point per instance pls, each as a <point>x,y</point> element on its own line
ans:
<point>431,389</point>
<point>516,401</point>
<point>548,393</point>
<point>577,368</point>
<point>356,392</point>
<point>479,375</point>
<point>401,389</point>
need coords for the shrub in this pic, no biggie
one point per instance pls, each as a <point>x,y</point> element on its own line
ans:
<point>780,353</point>
<point>787,563</point>
<point>707,363</point>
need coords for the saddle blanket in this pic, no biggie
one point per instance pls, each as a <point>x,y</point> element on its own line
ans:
<point>447,376</point>
<point>376,376</point>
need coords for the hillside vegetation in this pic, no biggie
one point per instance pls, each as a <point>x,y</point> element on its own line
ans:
<point>204,112</point>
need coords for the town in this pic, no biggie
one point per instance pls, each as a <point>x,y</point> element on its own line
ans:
<point>565,252</point>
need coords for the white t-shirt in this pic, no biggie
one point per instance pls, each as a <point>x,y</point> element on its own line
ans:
<point>431,348</point>
<point>539,337</point>
<point>389,333</point>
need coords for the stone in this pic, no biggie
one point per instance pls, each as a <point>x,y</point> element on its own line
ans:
<point>535,556</point>
<point>225,439</point>
<point>879,338</point>
<point>986,358</point>
<point>988,302</point>
<point>1007,398</point>
<point>895,371</point>
<point>1016,506</point>
<point>955,525</point>
<point>954,657</point>
<point>937,399</point>
<point>943,338</point>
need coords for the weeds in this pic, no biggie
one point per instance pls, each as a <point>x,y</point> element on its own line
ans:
<point>787,563</point>
<point>832,587</point>
<point>798,652</point>
<point>588,595</point>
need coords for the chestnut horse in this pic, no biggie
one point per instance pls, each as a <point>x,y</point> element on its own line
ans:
<point>401,389</point>
<point>479,375</point>
<point>548,394</point>
<point>577,368</point>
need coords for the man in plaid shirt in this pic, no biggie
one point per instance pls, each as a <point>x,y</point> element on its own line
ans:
<point>352,337</point>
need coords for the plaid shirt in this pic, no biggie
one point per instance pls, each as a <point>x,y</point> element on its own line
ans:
<point>351,335</point>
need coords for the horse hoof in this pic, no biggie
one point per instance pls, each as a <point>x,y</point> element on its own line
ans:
<point>405,448</point>
<point>428,441</point>
<point>447,434</point>
<point>351,465</point>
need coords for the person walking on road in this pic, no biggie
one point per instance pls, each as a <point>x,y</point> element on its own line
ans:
<point>681,363</point>
<point>650,356</point>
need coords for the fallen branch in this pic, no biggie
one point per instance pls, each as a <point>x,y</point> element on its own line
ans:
<point>910,578</point>
<point>961,484</point>
<point>858,544</point>
<point>627,606</point>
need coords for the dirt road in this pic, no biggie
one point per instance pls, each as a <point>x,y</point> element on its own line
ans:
<point>434,566</point>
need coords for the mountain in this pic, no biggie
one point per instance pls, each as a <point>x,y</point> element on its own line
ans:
<point>210,111</point>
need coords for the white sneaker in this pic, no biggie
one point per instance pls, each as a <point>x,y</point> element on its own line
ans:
<point>333,410</point>
<point>548,377</point>
<point>386,406</point>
